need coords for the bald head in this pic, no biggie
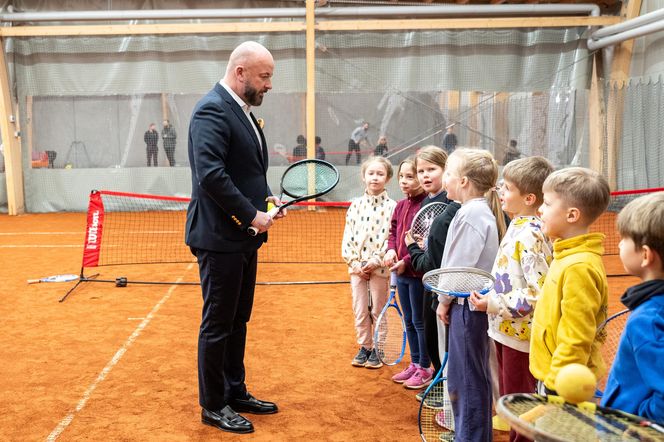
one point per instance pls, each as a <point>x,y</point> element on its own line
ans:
<point>249,72</point>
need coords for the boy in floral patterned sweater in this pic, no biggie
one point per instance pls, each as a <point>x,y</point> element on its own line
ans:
<point>520,268</point>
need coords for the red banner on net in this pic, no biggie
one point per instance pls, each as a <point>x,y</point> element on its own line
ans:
<point>93,230</point>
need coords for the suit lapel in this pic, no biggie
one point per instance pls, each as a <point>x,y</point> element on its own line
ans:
<point>263,143</point>
<point>247,125</point>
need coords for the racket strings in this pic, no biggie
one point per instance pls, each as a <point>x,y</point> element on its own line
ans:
<point>390,339</point>
<point>568,422</point>
<point>436,417</point>
<point>423,220</point>
<point>309,178</point>
<point>610,332</point>
<point>457,282</point>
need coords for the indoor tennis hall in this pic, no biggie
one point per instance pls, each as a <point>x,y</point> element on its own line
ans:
<point>111,352</point>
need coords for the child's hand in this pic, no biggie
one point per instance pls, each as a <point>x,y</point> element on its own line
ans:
<point>390,258</point>
<point>443,312</point>
<point>399,267</point>
<point>369,267</point>
<point>408,238</point>
<point>479,301</point>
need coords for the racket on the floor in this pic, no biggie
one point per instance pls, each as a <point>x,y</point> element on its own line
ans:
<point>435,418</point>
<point>458,281</point>
<point>55,278</point>
<point>302,181</point>
<point>390,334</point>
<point>612,329</point>
<point>551,419</point>
<point>423,220</point>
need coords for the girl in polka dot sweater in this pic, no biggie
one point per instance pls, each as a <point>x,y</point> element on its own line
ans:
<point>363,247</point>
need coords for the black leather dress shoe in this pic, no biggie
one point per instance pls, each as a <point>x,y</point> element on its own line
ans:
<point>227,419</point>
<point>253,405</point>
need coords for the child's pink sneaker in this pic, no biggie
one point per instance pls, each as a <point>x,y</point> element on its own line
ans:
<point>400,378</point>
<point>420,379</point>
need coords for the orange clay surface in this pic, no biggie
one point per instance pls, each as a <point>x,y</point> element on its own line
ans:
<point>120,363</point>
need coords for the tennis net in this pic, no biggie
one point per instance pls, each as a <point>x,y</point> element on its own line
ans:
<point>129,228</point>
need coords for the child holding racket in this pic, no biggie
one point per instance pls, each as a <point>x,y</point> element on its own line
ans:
<point>430,162</point>
<point>363,248</point>
<point>520,267</point>
<point>472,241</point>
<point>635,383</point>
<point>574,297</point>
<point>409,282</point>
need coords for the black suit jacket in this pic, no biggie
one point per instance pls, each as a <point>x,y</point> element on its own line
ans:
<point>228,174</point>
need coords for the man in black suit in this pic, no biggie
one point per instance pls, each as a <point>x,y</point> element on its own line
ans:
<point>228,157</point>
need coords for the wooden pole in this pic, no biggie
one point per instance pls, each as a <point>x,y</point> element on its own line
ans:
<point>11,143</point>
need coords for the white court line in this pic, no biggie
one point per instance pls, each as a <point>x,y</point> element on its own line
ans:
<point>39,246</point>
<point>40,233</point>
<point>64,423</point>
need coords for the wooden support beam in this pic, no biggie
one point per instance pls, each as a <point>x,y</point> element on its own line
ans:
<point>597,123</point>
<point>11,143</point>
<point>473,121</point>
<point>501,125</point>
<point>622,60</point>
<point>300,26</point>
<point>164,107</point>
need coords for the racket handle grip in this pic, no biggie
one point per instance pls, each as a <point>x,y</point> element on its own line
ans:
<point>33,281</point>
<point>253,231</point>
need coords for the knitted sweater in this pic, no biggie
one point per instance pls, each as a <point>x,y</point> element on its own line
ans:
<point>402,218</point>
<point>367,230</point>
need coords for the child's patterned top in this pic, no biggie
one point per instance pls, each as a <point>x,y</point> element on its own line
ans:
<point>520,268</point>
<point>367,230</point>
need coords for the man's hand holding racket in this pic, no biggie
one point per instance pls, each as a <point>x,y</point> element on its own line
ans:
<point>264,220</point>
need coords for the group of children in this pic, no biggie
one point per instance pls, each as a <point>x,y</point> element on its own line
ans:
<point>550,292</point>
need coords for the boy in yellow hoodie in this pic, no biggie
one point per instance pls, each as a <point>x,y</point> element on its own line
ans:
<point>574,297</point>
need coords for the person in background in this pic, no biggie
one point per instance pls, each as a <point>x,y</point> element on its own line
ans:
<point>359,135</point>
<point>299,151</point>
<point>151,138</point>
<point>381,147</point>
<point>450,140</point>
<point>169,136</point>
<point>320,152</point>
<point>511,153</point>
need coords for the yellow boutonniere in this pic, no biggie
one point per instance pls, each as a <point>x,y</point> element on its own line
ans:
<point>261,123</point>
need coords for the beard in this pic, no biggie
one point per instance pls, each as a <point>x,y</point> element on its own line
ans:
<point>252,95</point>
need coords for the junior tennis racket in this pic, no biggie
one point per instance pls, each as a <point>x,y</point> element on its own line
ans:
<point>612,330</point>
<point>302,181</point>
<point>55,278</point>
<point>423,220</point>
<point>435,418</point>
<point>458,281</point>
<point>551,419</point>
<point>390,335</point>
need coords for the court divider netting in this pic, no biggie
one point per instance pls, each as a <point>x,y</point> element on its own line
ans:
<point>139,229</point>
<point>125,229</point>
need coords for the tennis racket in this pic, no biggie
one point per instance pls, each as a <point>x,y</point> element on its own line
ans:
<point>612,329</point>
<point>390,334</point>
<point>458,281</point>
<point>55,278</point>
<point>435,418</point>
<point>423,220</point>
<point>551,419</point>
<point>370,301</point>
<point>302,181</point>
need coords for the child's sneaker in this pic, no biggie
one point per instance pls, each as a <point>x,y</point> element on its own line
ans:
<point>420,379</point>
<point>360,359</point>
<point>374,360</point>
<point>400,378</point>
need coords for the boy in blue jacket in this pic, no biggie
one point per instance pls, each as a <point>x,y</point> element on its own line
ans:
<point>635,383</point>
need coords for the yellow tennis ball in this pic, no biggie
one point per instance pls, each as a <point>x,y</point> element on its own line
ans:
<point>270,205</point>
<point>575,383</point>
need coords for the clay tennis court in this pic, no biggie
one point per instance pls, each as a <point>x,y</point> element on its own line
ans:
<point>120,363</point>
